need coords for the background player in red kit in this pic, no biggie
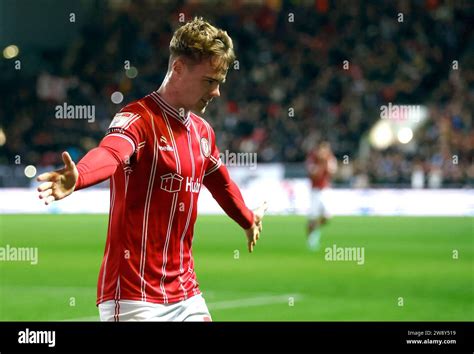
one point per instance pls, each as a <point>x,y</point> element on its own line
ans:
<point>321,165</point>
<point>158,153</point>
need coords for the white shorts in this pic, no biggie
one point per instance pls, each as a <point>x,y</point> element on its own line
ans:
<point>192,309</point>
<point>318,207</point>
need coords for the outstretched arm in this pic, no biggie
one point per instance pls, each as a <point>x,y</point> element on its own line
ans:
<point>97,166</point>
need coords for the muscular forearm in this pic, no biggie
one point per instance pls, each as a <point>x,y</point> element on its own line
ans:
<point>101,163</point>
<point>228,195</point>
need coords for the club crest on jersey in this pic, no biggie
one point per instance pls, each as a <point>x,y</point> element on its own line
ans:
<point>121,119</point>
<point>205,148</point>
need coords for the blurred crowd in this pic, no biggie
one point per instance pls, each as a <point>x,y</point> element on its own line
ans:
<point>304,73</point>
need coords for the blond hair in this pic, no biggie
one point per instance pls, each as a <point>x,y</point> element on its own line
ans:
<point>198,40</point>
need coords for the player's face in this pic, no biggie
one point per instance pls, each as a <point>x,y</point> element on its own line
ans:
<point>200,84</point>
<point>324,151</point>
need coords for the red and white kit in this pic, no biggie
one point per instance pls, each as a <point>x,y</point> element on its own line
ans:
<point>320,176</point>
<point>158,160</point>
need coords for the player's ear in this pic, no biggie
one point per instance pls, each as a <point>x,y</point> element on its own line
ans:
<point>178,66</point>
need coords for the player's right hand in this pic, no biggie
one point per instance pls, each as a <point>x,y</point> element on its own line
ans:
<point>60,183</point>
<point>253,233</point>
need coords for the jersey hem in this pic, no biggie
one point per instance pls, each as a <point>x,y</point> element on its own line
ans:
<point>153,300</point>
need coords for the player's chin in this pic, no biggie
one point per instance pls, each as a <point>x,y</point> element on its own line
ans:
<point>201,107</point>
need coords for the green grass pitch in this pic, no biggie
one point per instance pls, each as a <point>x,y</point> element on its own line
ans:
<point>409,260</point>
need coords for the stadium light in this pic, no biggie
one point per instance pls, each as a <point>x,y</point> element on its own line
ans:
<point>116,97</point>
<point>397,125</point>
<point>381,135</point>
<point>30,171</point>
<point>132,72</point>
<point>3,137</point>
<point>405,135</point>
<point>10,51</point>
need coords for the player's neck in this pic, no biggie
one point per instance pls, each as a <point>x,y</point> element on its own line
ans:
<point>168,94</point>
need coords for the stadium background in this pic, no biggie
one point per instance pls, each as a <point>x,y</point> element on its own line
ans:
<point>291,58</point>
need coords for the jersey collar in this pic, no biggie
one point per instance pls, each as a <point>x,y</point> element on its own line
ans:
<point>183,118</point>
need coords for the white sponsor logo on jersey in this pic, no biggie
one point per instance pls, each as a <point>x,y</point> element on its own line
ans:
<point>192,186</point>
<point>165,147</point>
<point>171,182</point>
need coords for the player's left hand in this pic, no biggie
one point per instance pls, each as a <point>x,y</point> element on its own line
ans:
<point>58,184</point>
<point>253,233</point>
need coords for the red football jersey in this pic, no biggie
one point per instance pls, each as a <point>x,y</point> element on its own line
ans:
<point>319,171</point>
<point>148,250</point>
